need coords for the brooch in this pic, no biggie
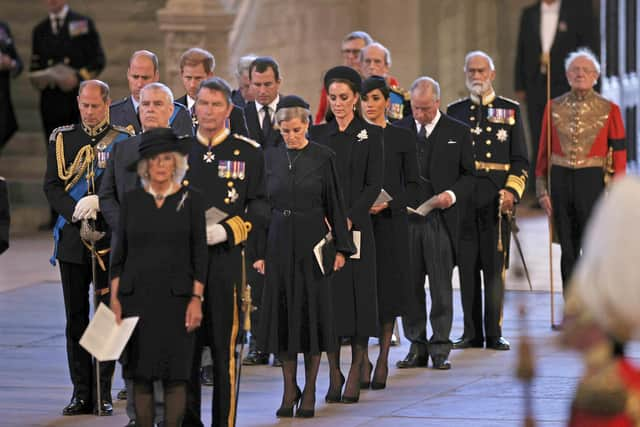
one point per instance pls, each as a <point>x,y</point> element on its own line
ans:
<point>362,135</point>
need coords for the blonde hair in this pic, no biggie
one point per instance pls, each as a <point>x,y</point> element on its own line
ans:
<point>178,175</point>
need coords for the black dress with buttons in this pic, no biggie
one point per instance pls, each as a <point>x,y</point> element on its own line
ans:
<point>298,315</point>
<point>359,160</point>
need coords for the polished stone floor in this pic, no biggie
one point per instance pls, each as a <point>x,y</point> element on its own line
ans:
<point>479,391</point>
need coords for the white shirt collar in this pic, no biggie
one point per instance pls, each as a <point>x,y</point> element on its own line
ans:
<point>272,106</point>
<point>429,126</point>
<point>190,102</point>
<point>550,8</point>
<point>135,104</point>
<point>62,14</point>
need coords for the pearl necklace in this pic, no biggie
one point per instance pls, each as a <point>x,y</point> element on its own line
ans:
<point>160,196</point>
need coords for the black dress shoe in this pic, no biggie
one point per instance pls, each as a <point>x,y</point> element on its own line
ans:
<point>105,409</point>
<point>206,375</point>
<point>255,358</point>
<point>77,406</point>
<point>412,360</point>
<point>441,364</point>
<point>277,363</point>
<point>462,342</point>
<point>122,394</point>
<point>131,423</point>
<point>498,344</point>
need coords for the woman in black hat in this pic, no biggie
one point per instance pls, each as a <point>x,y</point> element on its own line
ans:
<point>390,223</point>
<point>358,148</point>
<point>306,204</point>
<point>158,270</point>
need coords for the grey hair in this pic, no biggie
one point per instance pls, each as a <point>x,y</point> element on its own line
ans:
<point>423,83</point>
<point>158,86</point>
<point>244,63</point>
<point>482,54</point>
<point>181,168</point>
<point>387,54</point>
<point>358,35</point>
<point>585,53</point>
<point>290,113</point>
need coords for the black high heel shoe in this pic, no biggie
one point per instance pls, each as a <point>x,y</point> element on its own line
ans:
<point>366,384</point>
<point>306,413</point>
<point>335,397</point>
<point>287,411</point>
<point>379,385</point>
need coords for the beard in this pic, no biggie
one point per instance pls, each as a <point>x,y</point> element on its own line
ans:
<point>478,88</point>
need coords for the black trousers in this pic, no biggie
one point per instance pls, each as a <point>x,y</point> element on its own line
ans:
<point>431,254</point>
<point>76,280</point>
<point>479,253</point>
<point>220,330</point>
<point>574,192</point>
<point>256,280</point>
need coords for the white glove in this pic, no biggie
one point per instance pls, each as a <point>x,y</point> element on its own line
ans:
<point>216,234</point>
<point>86,208</point>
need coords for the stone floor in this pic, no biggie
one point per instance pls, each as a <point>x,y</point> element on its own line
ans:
<point>480,390</point>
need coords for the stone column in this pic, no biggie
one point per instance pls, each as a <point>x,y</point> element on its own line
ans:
<point>194,23</point>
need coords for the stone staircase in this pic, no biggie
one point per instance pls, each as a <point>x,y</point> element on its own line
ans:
<point>124,26</point>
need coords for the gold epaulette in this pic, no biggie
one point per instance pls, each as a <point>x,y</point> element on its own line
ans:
<point>517,182</point>
<point>402,92</point>
<point>128,130</point>
<point>457,101</point>
<point>59,129</point>
<point>504,98</point>
<point>247,140</point>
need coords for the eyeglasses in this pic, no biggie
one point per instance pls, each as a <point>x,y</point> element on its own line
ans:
<point>351,51</point>
<point>585,70</point>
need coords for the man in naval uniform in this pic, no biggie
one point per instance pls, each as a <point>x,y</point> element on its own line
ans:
<point>501,164</point>
<point>229,170</point>
<point>76,158</point>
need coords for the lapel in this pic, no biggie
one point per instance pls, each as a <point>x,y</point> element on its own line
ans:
<point>251,116</point>
<point>562,18</point>
<point>131,116</point>
<point>535,26</point>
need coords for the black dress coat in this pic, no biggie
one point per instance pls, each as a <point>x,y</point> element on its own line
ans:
<point>297,309</point>
<point>236,118</point>
<point>8,123</point>
<point>391,226</point>
<point>77,45</point>
<point>359,159</point>
<point>158,255</point>
<point>255,129</point>
<point>446,164</point>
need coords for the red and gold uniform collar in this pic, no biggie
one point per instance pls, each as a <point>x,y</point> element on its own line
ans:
<point>486,99</point>
<point>217,139</point>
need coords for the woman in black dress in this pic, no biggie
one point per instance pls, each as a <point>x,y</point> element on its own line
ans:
<point>158,270</point>
<point>358,148</point>
<point>306,204</point>
<point>390,223</point>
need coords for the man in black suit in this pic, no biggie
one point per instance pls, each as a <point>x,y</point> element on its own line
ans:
<point>70,39</point>
<point>156,108</point>
<point>10,66</point>
<point>243,94</point>
<point>72,193</point>
<point>500,167</point>
<point>445,160</point>
<point>144,69</point>
<point>196,66</point>
<point>264,75</point>
<point>549,31</point>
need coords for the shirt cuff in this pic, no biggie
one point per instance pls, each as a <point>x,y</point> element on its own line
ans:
<point>453,196</point>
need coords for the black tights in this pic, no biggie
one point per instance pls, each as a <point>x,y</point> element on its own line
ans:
<point>175,401</point>
<point>382,364</point>
<point>289,368</point>
<point>352,387</point>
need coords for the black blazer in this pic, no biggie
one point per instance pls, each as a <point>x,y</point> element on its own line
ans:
<point>577,27</point>
<point>8,123</point>
<point>236,119</point>
<point>449,167</point>
<point>255,129</point>
<point>122,113</point>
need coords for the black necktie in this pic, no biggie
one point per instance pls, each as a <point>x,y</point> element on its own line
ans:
<point>422,135</point>
<point>266,122</point>
<point>59,24</point>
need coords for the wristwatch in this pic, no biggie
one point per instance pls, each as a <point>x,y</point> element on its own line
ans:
<point>200,297</point>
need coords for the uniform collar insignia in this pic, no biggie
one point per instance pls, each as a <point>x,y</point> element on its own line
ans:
<point>97,129</point>
<point>486,99</point>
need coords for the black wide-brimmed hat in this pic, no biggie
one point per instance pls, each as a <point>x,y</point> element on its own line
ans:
<point>159,140</point>
<point>342,72</point>
<point>291,101</point>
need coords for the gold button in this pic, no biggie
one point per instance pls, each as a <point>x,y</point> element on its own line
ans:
<point>226,200</point>
<point>488,155</point>
<point>490,105</point>
<point>230,184</point>
<point>487,170</point>
<point>185,182</point>
<point>473,119</point>
<point>473,143</point>
<point>488,128</point>
<point>236,152</point>
<point>473,107</point>
<point>488,142</point>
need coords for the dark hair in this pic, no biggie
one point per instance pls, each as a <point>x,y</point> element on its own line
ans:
<point>217,84</point>
<point>356,91</point>
<point>104,88</point>
<point>146,54</point>
<point>196,56</point>
<point>262,63</point>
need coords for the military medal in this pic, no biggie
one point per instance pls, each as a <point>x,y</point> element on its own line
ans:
<point>209,157</point>
<point>232,195</point>
<point>476,130</point>
<point>102,155</point>
<point>502,135</point>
